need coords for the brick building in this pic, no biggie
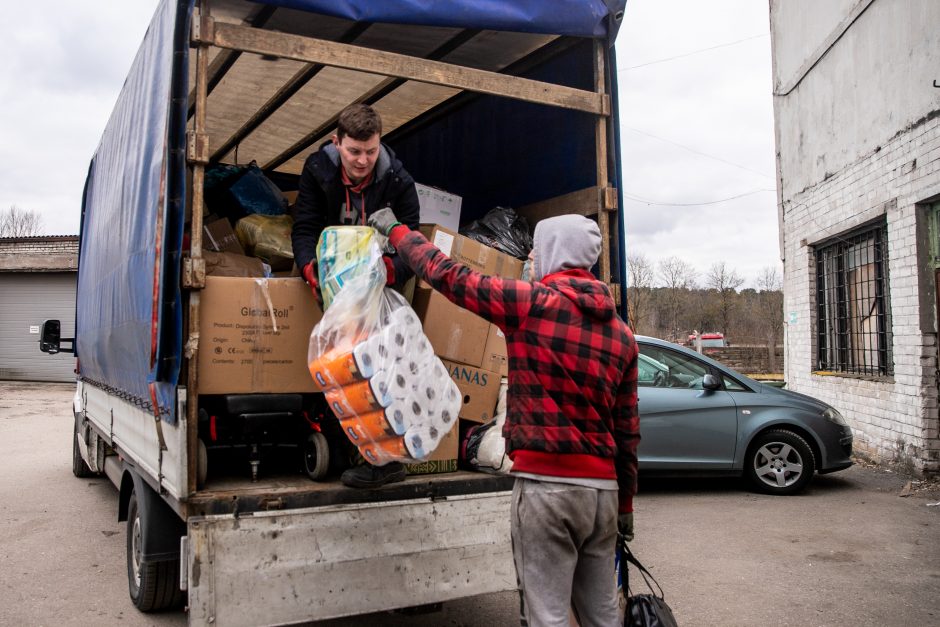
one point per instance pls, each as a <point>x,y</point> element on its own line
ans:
<point>37,282</point>
<point>857,112</point>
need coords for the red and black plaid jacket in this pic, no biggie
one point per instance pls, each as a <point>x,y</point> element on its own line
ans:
<point>572,404</point>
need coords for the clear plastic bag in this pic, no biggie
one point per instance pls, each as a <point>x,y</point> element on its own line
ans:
<point>393,397</point>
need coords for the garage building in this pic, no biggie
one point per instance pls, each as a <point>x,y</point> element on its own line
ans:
<point>37,282</point>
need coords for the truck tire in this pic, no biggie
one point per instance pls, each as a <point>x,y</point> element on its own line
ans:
<point>153,586</point>
<point>79,468</point>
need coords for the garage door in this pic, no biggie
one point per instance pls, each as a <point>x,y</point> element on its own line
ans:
<point>26,299</point>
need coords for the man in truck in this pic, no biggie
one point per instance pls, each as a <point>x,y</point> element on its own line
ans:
<point>344,182</point>
<point>572,426</point>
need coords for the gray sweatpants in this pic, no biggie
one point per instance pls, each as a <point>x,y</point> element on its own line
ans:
<point>563,542</point>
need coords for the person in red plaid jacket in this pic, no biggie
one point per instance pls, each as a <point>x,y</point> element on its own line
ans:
<point>572,426</point>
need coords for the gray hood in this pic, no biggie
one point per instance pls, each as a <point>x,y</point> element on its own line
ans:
<point>564,243</point>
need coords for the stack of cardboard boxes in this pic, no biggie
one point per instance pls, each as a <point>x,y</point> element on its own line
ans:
<point>254,332</point>
<point>472,349</point>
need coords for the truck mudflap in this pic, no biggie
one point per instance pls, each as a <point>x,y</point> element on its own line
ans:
<point>281,567</point>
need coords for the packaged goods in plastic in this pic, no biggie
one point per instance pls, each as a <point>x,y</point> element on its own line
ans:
<point>394,398</point>
<point>343,253</point>
<point>268,238</point>
<point>239,190</point>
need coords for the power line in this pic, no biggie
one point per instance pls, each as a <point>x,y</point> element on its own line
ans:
<point>694,52</point>
<point>698,152</point>
<point>694,204</point>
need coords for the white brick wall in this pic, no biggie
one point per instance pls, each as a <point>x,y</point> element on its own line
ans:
<point>894,419</point>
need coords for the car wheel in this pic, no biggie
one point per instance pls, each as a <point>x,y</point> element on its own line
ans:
<point>79,468</point>
<point>153,586</point>
<point>316,452</point>
<point>780,462</point>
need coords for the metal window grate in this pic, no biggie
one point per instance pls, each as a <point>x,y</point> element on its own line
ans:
<point>853,315</point>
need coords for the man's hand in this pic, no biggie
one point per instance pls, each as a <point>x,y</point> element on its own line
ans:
<point>383,221</point>
<point>625,526</point>
<point>310,275</point>
<point>389,271</point>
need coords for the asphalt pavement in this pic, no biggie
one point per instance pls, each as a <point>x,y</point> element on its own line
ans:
<point>850,551</point>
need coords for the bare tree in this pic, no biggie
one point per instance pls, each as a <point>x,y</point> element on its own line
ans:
<point>726,282</point>
<point>638,291</point>
<point>677,277</point>
<point>770,306</point>
<point>16,222</point>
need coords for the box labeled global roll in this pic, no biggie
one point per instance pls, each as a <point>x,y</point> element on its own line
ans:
<point>254,334</point>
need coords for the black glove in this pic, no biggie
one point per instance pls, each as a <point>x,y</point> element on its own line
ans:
<point>625,526</point>
<point>383,221</point>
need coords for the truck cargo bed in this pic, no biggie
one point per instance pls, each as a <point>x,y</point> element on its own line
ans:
<point>233,495</point>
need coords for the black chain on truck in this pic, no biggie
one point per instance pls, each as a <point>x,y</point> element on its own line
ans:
<point>127,397</point>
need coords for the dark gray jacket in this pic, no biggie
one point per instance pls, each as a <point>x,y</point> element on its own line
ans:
<point>322,195</point>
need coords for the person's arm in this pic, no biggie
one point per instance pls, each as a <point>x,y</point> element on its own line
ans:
<point>504,302</point>
<point>627,432</point>
<point>408,211</point>
<point>309,218</point>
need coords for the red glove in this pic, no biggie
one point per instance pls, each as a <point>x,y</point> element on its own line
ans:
<point>389,271</point>
<point>310,275</point>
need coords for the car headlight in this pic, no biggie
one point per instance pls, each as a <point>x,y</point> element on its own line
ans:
<point>833,415</point>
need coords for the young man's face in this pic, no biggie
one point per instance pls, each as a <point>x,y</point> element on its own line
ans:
<point>358,157</point>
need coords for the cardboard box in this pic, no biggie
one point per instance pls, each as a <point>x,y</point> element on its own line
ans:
<point>495,355</point>
<point>443,459</point>
<point>254,335</point>
<point>480,389</point>
<point>454,333</point>
<point>232,264</point>
<point>472,253</point>
<point>438,206</point>
<point>220,237</point>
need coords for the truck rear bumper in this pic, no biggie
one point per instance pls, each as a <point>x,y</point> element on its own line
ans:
<point>313,564</point>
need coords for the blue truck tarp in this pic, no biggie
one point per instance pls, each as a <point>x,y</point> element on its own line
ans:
<point>129,314</point>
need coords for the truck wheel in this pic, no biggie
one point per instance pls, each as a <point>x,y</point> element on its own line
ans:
<point>153,586</point>
<point>316,456</point>
<point>79,468</point>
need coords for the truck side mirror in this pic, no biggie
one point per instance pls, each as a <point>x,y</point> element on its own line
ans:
<point>50,337</point>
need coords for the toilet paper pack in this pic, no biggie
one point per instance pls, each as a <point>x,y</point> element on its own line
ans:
<point>392,395</point>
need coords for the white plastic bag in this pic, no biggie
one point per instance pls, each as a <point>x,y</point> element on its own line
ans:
<point>488,452</point>
<point>393,397</point>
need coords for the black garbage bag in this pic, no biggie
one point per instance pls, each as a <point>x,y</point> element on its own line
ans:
<point>235,191</point>
<point>503,229</point>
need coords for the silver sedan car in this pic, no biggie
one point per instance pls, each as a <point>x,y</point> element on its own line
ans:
<point>699,416</point>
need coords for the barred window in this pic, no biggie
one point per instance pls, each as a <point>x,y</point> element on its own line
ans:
<point>853,315</point>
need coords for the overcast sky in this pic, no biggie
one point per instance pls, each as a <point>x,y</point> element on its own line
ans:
<point>696,129</point>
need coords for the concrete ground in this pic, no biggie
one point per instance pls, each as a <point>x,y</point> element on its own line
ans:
<point>850,551</point>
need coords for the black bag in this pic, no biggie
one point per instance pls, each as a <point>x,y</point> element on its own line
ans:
<point>503,229</point>
<point>236,191</point>
<point>644,610</point>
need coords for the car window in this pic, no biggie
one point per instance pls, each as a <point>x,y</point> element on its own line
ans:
<point>648,369</point>
<point>669,369</point>
<point>733,386</point>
